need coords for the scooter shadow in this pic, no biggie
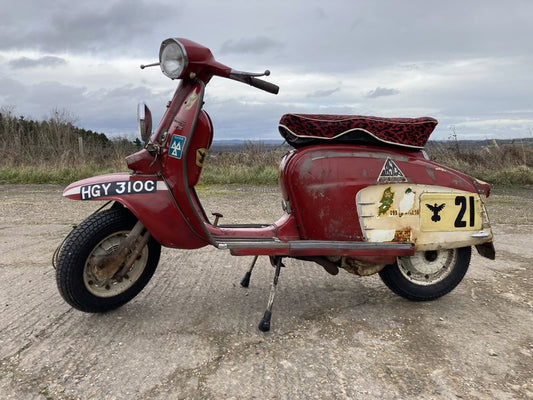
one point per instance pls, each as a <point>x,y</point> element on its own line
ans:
<point>198,298</point>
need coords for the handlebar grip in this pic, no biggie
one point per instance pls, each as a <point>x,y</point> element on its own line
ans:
<point>263,85</point>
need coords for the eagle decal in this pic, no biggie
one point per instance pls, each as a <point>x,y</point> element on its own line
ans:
<point>436,209</point>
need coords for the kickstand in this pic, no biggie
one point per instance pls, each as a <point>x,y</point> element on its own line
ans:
<point>246,280</point>
<point>264,324</point>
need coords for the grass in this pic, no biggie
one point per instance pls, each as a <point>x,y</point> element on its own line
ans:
<point>49,174</point>
<point>258,164</point>
<point>519,175</point>
<point>504,165</point>
<point>55,151</point>
<point>254,164</point>
<point>240,174</point>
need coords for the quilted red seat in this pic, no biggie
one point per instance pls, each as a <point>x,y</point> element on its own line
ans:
<point>308,129</point>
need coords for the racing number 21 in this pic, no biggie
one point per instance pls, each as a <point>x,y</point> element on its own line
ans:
<point>462,201</point>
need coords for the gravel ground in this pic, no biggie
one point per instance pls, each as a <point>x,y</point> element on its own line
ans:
<point>192,333</point>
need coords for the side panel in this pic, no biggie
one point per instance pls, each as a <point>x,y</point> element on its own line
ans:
<point>431,217</point>
<point>322,184</point>
<point>148,198</point>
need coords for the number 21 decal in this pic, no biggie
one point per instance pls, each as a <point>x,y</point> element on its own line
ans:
<point>447,212</point>
<point>461,201</point>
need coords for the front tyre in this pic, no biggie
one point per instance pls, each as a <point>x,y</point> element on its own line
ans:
<point>101,234</point>
<point>427,275</point>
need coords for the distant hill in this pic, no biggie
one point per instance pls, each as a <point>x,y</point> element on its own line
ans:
<point>239,144</point>
<point>487,142</point>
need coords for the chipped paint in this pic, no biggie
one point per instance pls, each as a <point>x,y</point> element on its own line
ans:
<point>402,235</point>
<point>431,173</point>
<point>394,213</point>
<point>381,235</point>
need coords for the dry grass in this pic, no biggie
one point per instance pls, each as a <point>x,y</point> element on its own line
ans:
<point>49,152</point>
<point>254,164</point>
<point>55,150</point>
<point>502,164</point>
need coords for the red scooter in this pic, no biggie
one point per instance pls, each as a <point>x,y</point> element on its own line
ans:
<point>359,193</point>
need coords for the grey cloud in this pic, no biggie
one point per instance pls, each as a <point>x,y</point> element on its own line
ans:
<point>128,91</point>
<point>46,61</point>
<point>37,100</point>
<point>323,93</point>
<point>345,39</point>
<point>319,13</point>
<point>380,92</point>
<point>57,94</point>
<point>256,45</point>
<point>113,111</point>
<point>12,93</point>
<point>61,27</point>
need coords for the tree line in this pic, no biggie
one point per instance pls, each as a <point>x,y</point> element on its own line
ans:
<point>55,141</point>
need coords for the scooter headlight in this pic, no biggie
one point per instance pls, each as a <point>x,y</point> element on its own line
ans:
<point>172,58</point>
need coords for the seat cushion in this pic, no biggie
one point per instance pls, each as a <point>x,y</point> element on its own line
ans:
<point>308,129</point>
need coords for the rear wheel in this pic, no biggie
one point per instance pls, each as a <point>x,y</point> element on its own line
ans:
<point>427,275</point>
<point>101,234</point>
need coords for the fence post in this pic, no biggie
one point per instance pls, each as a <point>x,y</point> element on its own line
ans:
<point>80,146</point>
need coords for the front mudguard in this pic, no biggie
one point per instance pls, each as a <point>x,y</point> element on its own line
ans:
<point>148,198</point>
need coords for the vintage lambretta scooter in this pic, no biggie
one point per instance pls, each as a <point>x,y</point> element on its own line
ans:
<point>358,192</point>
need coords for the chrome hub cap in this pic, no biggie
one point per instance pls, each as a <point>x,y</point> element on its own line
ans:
<point>428,267</point>
<point>112,287</point>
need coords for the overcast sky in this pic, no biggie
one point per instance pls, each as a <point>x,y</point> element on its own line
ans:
<point>468,63</point>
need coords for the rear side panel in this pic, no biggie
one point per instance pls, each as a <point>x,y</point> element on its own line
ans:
<point>431,217</point>
<point>326,187</point>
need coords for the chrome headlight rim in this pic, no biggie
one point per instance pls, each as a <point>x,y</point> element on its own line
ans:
<point>181,58</point>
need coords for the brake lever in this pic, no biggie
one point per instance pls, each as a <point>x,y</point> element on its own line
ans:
<point>249,74</point>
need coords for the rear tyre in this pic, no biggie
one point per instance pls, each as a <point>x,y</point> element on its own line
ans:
<point>99,234</point>
<point>427,275</point>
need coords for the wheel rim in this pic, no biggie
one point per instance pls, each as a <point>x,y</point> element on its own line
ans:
<point>428,267</point>
<point>113,287</point>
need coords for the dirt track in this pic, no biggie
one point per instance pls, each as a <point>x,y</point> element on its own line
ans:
<point>192,333</point>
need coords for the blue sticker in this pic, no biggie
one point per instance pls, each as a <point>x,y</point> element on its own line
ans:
<point>176,146</point>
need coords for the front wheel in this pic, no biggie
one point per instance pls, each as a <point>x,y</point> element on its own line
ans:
<point>427,275</point>
<point>99,235</point>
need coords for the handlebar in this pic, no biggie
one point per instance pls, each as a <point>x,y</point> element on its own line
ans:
<point>250,79</point>
<point>264,85</point>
